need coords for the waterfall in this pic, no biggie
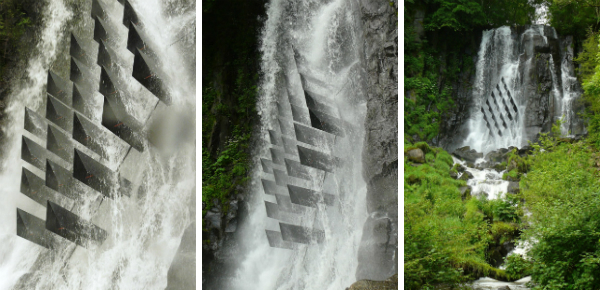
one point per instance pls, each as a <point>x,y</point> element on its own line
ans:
<point>135,215</point>
<point>524,83</point>
<point>307,196</point>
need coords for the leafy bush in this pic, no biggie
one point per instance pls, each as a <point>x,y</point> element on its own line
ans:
<point>517,266</point>
<point>561,192</point>
<point>446,238</point>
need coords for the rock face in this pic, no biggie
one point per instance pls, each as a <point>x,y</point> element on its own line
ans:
<point>416,155</point>
<point>182,273</point>
<point>378,252</point>
<point>468,154</point>
<point>539,89</point>
<point>389,284</point>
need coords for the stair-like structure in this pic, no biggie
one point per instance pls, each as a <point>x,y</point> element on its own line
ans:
<point>73,148</point>
<point>500,110</point>
<point>299,166</point>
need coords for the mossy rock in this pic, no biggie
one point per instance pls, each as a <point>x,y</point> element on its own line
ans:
<point>389,284</point>
<point>466,176</point>
<point>500,167</point>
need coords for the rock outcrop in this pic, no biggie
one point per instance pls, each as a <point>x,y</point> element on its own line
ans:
<point>378,252</point>
<point>524,102</point>
<point>389,284</point>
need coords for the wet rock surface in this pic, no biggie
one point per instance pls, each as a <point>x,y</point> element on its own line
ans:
<point>541,57</point>
<point>182,273</point>
<point>416,155</point>
<point>378,252</point>
<point>468,154</point>
<point>389,284</point>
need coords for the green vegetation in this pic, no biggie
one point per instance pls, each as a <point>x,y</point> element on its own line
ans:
<point>229,91</point>
<point>448,240</point>
<point>13,23</point>
<point>435,59</point>
<point>561,192</point>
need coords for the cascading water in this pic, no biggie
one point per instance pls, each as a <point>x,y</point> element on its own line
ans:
<point>144,226</point>
<point>308,197</point>
<point>524,83</point>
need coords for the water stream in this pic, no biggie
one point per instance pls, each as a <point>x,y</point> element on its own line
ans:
<point>309,101</point>
<point>144,228</point>
<point>524,83</point>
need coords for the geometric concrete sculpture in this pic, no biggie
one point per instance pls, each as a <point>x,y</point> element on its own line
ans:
<point>270,187</point>
<point>299,234</point>
<point>147,72</point>
<point>33,229</point>
<point>35,188</point>
<point>316,159</point>
<point>35,123</point>
<point>58,88</point>
<point>118,123</point>
<point>89,134</point>
<point>76,50</point>
<point>59,143</point>
<point>33,153</point>
<point>81,74</point>
<point>59,113</point>
<point>98,10</point>
<point>95,175</point>
<point>313,104</point>
<point>326,123</point>
<point>312,136</point>
<point>83,100</point>
<point>296,169</point>
<point>129,15</point>
<point>136,39</point>
<point>276,241</point>
<point>308,197</point>
<point>499,109</point>
<point>267,165</point>
<point>107,57</point>
<point>61,180</point>
<point>277,156</point>
<point>72,227</point>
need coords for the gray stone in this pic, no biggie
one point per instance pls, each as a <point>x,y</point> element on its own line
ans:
<point>182,272</point>
<point>231,226</point>
<point>465,192</point>
<point>466,176</point>
<point>416,155</point>
<point>468,154</point>
<point>378,259</point>
<point>213,219</point>
<point>513,187</point>
<point>453,174</point>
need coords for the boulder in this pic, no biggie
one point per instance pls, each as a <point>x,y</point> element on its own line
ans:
<point>468,154</point>
<point>416,155</point>
<point>499,167</point>
<point>499,155</point>
<point>513,187</point>
<point>465,192</point>
<point>466,176</point>
<point>213,219</point>
<point>526,150</point>
<point>453,174</point>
